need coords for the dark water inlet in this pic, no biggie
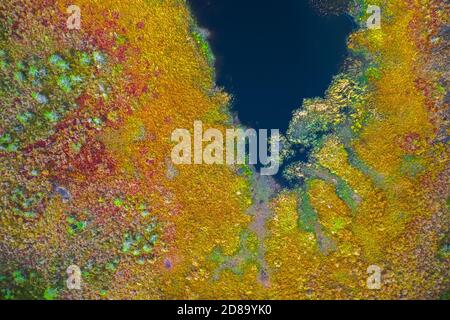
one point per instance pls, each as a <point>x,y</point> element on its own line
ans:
<point>270,55</point>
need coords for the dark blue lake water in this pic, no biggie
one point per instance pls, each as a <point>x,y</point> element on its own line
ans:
<point>270,55</point>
